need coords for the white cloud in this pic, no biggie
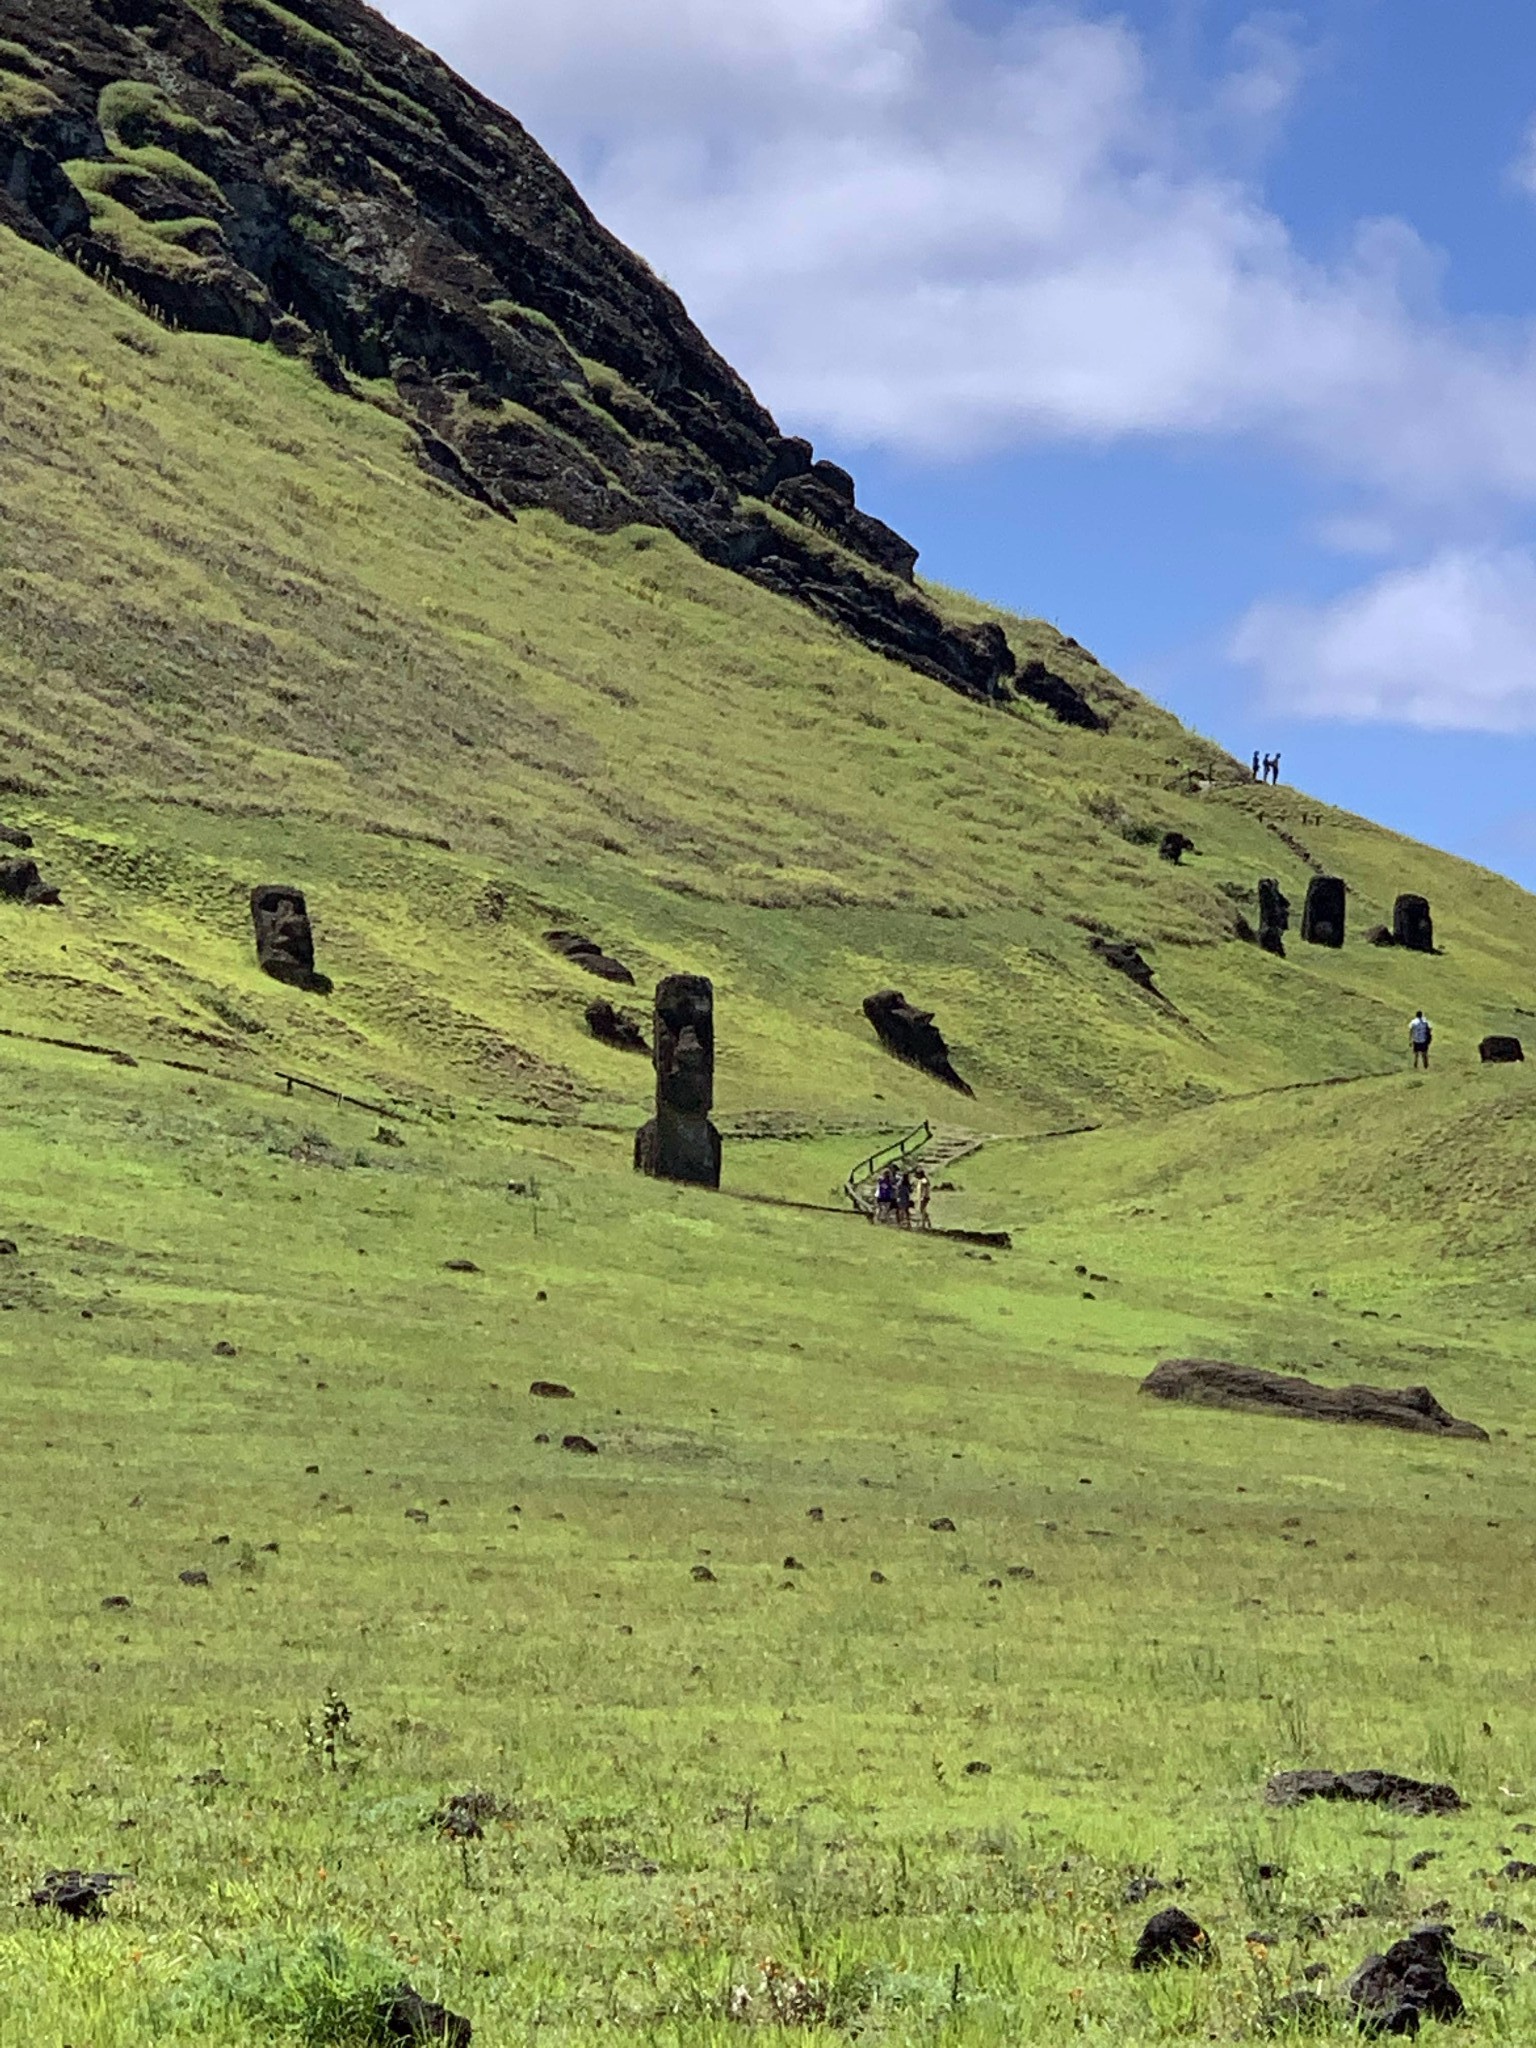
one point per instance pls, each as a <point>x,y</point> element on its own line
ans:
<point>1522,171</point>
<point>1447,644</point>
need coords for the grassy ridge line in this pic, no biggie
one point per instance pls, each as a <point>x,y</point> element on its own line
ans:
<point>241,626</point>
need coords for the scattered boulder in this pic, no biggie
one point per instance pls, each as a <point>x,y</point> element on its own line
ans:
<point>680,1143</point>
<point>9,836</point>
<point>78,1894</point>
<point>1274,918</point>
<point>551,1390</point>
<point>1125,958</point>
<point>285,942</point>
<point>1377,1788</point>
<point>588,955</point>
<point>9,1248</point>
<point>194,1578</point>
<point>1323,916</point>
<point>583,1445</point>
<point>1380,935</point>
<point>1412,925</point>
<point>1210,1383</point>
<point>20,882</point>
<point>943,1525</point>
<point>912,1036</point>
<point>1500,1051</point>
<point>1518,1871</point>
<point>406,2016</point>
<point>702,1574</point>
<point>1064,700</point>
<point>460,1266</point>
<point>610,1026</point>
<point>1171,1936</point>
<point>1174,847</point>
<point>1395,1993</point>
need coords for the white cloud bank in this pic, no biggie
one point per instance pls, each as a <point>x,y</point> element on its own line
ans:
<point>909,232</point>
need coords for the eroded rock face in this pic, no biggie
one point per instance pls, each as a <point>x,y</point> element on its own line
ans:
<point>1211,1383</point>
<point>1322,920</point>
<point>20,882</point>
<point>285,944</point>
<point>373,215</point>
<point>1274,918</point>
<point>912,1035</point>
<point>589,956</point>
<point>1374,1788</point>
<point>680,1143</point>
<point>1500,1051</point>
<point>1412,925</point>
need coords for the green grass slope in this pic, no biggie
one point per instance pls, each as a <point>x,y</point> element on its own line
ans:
<point>245,640</point>
<point>919,1769</point>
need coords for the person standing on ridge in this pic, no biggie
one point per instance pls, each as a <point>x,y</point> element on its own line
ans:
<point>1255,764</point>
<point>1274,769</point>
<point>1420,1037</point>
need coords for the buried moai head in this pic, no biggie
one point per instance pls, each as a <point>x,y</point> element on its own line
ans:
<point>1322,921</point>
<point>1412,925</point>
<point>1274,918</point>
<point>680,1143</point>
<point>285,945</point>
<point>912,1035</point>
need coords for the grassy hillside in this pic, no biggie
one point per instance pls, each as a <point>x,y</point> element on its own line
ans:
<point>922,1769</point>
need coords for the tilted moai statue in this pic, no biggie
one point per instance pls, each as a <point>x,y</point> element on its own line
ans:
<point>285,945</point>
<point>1274,918</point>
<point>1322,921</point>
<point>680,1142</point>
<point>1412,925</point>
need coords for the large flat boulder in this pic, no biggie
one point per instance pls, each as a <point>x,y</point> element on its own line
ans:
<point>1211,1383</point>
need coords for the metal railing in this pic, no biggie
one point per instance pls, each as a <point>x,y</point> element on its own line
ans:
<point>868,1168</point>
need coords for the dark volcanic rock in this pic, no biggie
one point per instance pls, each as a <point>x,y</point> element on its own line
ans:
<point>617,1028</point>
<point>1274,918</point>
<point>1500,1051</point>
<point>1412,925</point>
<point>285,944</point>
<point>1171,1936</point>
<point>912,1035</point>
<point>1380,935</point>
<point>680,1143</point>
<point>1323,917</point>
<point>1126,959</point>
<point>1062,699</point>
<point>1210,1383</point>
<point>406,2016</point>
<point>582,1445</point>
<point>551,1390</point>
<point>20,882</point>
<point>588,955</point>
<point>1174,847</point>
<point>77,1894</point>
<point>1395,1993</point>
<point>10,836</point>
<point>1378,1788</point>
<point>373,215</point>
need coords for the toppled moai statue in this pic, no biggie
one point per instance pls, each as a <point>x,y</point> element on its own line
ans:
<point>1126,959</point>
<point>680,1142</point>
<point>610,1026</point>
<point>1412,925</point>
<point>912,1035</point>
<point>21,883</point>
<point>285,945</point>
<point>1498,1051</point>
<point>1175,845</point>
<point>1274,918</point>
<point>588,954</point>
<point>1064,700</point>
<point>1322,920</point>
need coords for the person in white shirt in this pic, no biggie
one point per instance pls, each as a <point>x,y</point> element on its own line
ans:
<point>1420,1037</point>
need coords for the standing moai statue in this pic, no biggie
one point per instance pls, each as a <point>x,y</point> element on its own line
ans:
<point>285,945</point>
<point>680,1142</point>
<point>1274,918</point>
<point>1322,921</point>
<point>1412,925</point>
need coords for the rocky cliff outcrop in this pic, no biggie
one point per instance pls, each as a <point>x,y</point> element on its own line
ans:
<point>307,176</point>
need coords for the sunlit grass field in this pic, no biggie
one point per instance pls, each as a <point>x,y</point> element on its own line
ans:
<point>733,1698</point>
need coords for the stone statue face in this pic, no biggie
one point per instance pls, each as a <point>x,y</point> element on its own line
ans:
<point>685,1050</point>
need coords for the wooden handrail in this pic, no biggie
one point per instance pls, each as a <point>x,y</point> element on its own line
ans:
<point>866,1169</point>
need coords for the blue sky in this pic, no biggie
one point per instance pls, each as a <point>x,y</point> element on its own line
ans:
<point>1207,331</point>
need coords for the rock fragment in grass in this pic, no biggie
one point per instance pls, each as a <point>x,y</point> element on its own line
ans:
<point>1499,1051</point>
<point>78,1894</point>
<point>20,882</point>
<point>1377,1788</point>
<point>194,1577</point>
<point>1214,1383</point>
<point>943,1525</point>
<point>116,1602</point>
<point>551,1390</point>
<point>977,1769</point>
<point>703,1574</point>
<point>224,1349</point>
<point>1518,1872</point>
<point>583,1446</point>
<point>406,2016</point>
<point>9,1248</point>
<point>616,1028</point>
<point>1394,1993</point>
<point>460,1266</point>
<point>1171,1936</point>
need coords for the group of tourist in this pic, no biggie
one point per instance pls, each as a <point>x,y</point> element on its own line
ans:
<point>899,1193</point>
<point>1267,770</point>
